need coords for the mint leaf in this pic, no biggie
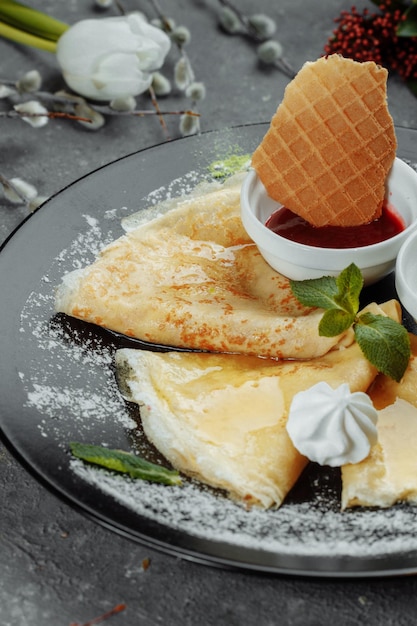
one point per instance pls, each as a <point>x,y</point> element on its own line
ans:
<point>329,292</point>
<point>385,343</point>
<point>316,292</point>
<point>334,322</point>
<point>349,284</point>
<point>125,462</point>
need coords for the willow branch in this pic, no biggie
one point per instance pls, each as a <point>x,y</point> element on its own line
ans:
<point>251,31</point>
<point>50,114</point>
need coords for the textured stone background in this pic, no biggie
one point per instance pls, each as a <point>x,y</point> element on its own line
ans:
<point>58,567</point>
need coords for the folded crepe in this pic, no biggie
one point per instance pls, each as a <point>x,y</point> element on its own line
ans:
<point>389,474</point>
<point>222,417</point>
<point>192,278</point>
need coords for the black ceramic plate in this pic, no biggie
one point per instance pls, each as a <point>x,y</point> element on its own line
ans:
<point>57,386</point>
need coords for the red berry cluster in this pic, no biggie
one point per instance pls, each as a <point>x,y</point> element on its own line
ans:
<point>370,36</point>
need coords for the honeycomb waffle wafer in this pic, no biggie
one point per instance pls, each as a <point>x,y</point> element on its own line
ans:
<point>331,143</point>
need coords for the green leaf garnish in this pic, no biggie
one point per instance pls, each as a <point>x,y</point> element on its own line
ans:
<point>330,292</point>
<point>383,341</point>
<point>125,463</point>
<point>349,285</point>
<point>335,322</point>
<point>316,292</point>
<point>231,164</point>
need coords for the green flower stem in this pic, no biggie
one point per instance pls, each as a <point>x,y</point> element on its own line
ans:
<point>34,22</point>
<point>26,38</point>
<point>28,26</point>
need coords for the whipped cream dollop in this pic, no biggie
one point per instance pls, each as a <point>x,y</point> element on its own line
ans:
<point>332,426</point>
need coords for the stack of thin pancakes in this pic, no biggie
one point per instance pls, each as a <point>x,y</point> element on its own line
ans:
<point>193,279</point>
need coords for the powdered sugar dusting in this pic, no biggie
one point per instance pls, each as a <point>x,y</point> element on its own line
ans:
<point>72,387</point>
<point>63,380</point>
<point>166,198</point>
<point>313,528</point>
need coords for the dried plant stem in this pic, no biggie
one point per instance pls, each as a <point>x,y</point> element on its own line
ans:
<point>283,65</point>
<point>7,82</point>
<point>158,111</point>
<point>120,7</point>
<point>144,112</point>
<point>50,114</point>
<point>96,620</point>
<point>137,113</point>
<point>104,109</point>
<point>243,20</point>
<point>160,14</point>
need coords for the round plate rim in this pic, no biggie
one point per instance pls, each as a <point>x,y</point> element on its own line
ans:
<point>357,567</point>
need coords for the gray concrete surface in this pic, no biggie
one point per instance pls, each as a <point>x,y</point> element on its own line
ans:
<point>56,566</point>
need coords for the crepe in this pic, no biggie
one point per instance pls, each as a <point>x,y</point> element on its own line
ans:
<point>331,143</point>
<point>192,278</point>
<point>221,418</point>
<point>389,474</point>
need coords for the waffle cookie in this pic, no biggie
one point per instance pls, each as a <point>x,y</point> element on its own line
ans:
<point>331,143</point>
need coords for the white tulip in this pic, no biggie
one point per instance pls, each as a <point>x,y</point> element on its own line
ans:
<point>112,57</point>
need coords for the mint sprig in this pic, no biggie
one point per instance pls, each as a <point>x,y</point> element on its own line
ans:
<point>125,463</point>
<point>383,341</point>
<point>387,341</point>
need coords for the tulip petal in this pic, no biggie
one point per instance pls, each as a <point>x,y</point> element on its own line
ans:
<point>111,57</point>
